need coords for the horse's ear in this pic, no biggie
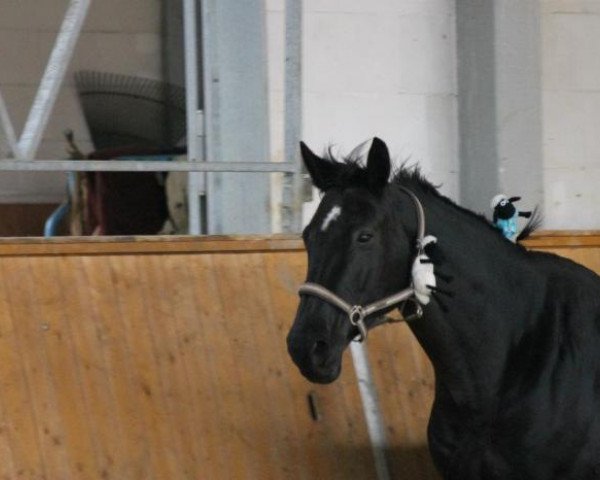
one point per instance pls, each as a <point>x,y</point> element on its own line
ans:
<point>378,164</point>
<point>322,172</point>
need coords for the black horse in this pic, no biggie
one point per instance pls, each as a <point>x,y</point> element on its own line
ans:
<point>516,348</point>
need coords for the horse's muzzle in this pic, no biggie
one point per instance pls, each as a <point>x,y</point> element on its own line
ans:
<point>317,361</point>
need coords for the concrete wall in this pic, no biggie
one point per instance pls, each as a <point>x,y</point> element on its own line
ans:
<point>571,120</point>
<point>121,36</point>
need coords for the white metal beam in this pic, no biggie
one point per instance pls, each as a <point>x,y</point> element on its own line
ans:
<point>7,127</point>
<point>195,153</point>
<point>52,78</point>
<point>292,184</point>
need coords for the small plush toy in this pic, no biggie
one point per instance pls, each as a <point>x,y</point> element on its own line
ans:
<point>423,276</point>
<point>506,214</point>
<point>424,273</point>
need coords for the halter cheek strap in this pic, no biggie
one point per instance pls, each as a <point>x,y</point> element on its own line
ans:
<point>418,292</point>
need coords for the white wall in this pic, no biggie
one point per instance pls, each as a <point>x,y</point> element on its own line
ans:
<point>571,119</point>
<point>377,68</point>
<point>121,36</point>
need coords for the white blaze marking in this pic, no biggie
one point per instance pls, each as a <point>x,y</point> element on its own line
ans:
<point>331,217</point>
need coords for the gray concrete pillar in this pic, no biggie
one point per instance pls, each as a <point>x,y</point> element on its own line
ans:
<point>499,85</point>
<point>236,113</point>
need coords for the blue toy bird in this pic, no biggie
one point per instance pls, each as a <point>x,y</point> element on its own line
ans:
<point>506,215</point>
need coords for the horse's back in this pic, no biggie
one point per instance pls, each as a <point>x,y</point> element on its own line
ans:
<point>551,410</point>
<point>546,424</point>
<point>564,273</point>
<point>572,294</point>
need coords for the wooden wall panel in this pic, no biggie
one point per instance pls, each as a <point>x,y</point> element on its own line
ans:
<point>164,366</point>
<point>166,358</point>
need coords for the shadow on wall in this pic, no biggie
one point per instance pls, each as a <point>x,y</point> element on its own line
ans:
<point>412,462</point>
<point>404,462</point>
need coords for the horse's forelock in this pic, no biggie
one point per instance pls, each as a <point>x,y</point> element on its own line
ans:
<point>353,172</point>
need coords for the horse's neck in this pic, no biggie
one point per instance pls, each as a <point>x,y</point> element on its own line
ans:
<point>468,345</point>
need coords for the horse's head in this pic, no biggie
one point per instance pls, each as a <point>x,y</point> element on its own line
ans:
<point>358,247</point>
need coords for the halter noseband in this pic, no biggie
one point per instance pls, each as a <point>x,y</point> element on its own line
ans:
<point>358,313</point>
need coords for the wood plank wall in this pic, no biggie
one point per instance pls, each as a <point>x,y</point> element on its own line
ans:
<point>165,359</point>
<point>163,366</point>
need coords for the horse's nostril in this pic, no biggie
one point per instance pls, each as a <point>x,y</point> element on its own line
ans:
<point>320,353</point>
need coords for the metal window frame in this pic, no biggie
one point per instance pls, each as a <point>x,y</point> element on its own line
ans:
<point>141,166</point>
<point>24,148</point>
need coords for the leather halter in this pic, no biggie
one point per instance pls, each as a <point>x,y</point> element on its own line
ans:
<point>358,313</point>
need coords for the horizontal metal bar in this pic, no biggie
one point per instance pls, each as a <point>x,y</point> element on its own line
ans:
<point>140,166</point>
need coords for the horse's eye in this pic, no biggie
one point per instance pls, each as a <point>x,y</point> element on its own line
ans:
<point>364,237</point>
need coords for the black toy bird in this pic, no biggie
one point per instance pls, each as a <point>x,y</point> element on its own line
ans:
<point>506,214</point>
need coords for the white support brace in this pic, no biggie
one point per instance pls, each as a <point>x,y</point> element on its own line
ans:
<point>52,78</point>
<point>6,126</point>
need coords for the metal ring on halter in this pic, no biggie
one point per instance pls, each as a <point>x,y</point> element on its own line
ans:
<point>356,315</point>
<point>418,312</point>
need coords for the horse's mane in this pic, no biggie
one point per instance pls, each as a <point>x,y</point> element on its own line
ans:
<point>355,175</point>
